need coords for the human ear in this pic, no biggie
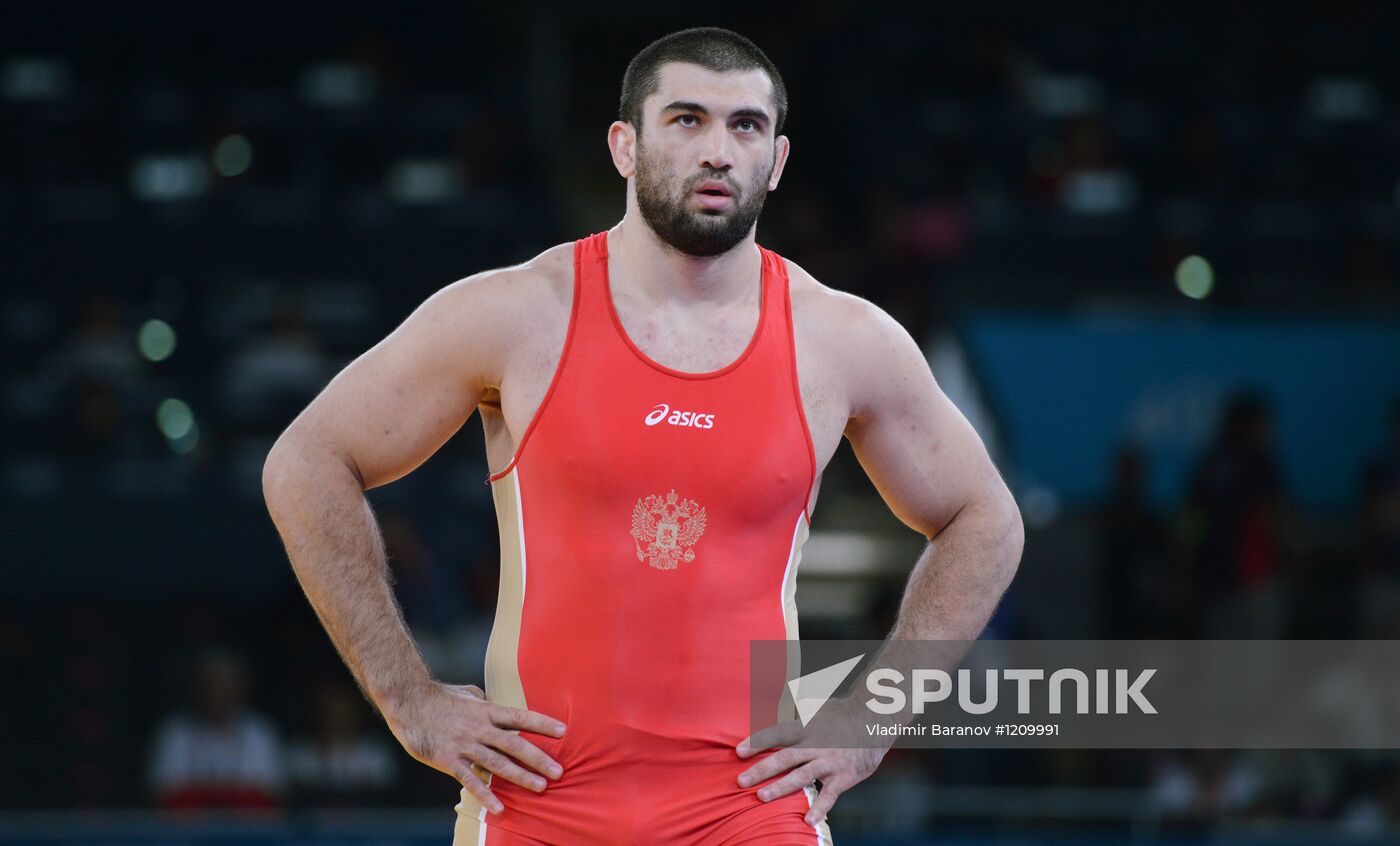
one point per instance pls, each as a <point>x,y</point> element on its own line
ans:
<point>780,154</point>
<point>622,143</point>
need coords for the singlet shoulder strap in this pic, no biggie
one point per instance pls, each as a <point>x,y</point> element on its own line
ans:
<point>778,314</point>
<point>590,272</point>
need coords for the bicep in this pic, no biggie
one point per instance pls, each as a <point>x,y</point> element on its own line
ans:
<point>919,450</point>
<point>395,405</point>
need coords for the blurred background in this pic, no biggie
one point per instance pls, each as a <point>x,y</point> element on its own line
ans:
<point>1149,248</point>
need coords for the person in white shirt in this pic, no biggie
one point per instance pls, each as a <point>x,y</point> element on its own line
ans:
<point>219,754</point>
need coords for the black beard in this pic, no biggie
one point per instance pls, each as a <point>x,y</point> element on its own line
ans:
<point>695,232</point>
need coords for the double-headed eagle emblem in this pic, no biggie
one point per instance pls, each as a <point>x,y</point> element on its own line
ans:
<point>665,529</point>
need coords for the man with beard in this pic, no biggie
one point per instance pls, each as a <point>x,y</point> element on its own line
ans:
<point>659,400</point>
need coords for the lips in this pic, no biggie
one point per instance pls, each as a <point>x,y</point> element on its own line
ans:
<point>712,201</point>
<point>712,194</point>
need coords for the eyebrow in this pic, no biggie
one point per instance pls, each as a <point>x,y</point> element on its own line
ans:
<point>687,106</point>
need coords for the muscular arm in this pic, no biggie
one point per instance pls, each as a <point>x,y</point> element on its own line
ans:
<point>381,417</point>
<point>376,421</point>
<point>934,473</point>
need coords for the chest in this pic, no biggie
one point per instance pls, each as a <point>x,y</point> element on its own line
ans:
<point>691,344</point>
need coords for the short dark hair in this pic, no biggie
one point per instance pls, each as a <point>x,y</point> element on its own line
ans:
<point>710,47</point>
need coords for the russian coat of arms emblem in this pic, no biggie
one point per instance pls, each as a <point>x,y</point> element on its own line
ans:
<point>665,528</point>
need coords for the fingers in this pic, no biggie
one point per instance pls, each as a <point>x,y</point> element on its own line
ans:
<point>519,718</point>
<point>504,767</point>
<point>525,752</point>
<point>795,780</point>
<point>466,773</point>
<point>780,761</point>
<point>787,733</point>
<point>825,799</point>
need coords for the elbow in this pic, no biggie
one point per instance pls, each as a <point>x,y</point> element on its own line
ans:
<point>994,518</point>
<point>287,464</point>
<point>300,462</point>
<point>277,470</point>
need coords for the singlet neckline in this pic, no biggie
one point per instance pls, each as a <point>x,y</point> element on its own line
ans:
<point>763,283</point>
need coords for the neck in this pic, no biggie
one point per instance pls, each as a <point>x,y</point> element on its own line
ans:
<point>655,272</point>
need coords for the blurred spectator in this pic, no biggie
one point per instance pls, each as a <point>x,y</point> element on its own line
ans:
<point>433,598</point>
<point>1237,502</point>
<point>219,754</point>
<point>96,421</point>
<point>342,763</point>
<point>101,350</point>
<point>1133,549</point>
<point>95,375</point>
<point>1094,183</point>
<point>1377,811</point>
<point>272,375</point>
<point>1205,785</point>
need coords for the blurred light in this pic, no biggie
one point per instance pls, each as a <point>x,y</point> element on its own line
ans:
<point>334,85</point>
<point>415,181</point>
<point>1047,157</point>
<point>1194,277</point>
<point>35,79</point>
<point>156,340</point>
<point>1343,99</point>
<point>1397,193</point>
<point>1065,96</point>
<point>233,155</point>
<point>186,442</point>
<point>1039,507</point>
<point>174,419</point>
<point>1100,191</point>
<point>164,178</point>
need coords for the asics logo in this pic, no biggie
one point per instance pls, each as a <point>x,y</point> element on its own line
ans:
<point>693,419</point>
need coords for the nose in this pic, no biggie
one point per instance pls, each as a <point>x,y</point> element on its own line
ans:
<point>716,152</point>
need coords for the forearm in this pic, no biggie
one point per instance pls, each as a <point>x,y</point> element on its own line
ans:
<point>332,538</point>
<point>962,573</point>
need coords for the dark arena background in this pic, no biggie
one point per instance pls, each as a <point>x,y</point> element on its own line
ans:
<point>1149,248</point>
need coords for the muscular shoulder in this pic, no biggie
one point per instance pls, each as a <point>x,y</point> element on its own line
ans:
<point>831,310</point>
<point>540,285</point>
<point>499,313</point>
<point>859,345</point>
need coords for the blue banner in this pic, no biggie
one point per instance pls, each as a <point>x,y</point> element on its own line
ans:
<point>1069,391</point>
